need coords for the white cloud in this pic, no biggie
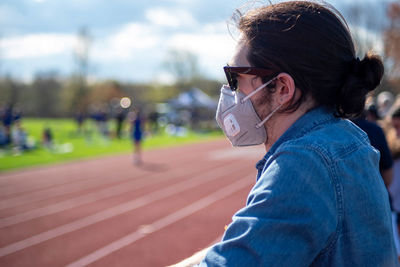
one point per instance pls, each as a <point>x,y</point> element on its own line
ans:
<point>183,2</point>
<point>138,42</point>
<point>164,78</point>
<point>173,18</point>
<point>212,44</point>
<point>130,40</point>
<point>36,45</point>
<point>131,46</point>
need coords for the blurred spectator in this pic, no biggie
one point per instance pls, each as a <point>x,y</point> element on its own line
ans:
<point>100,116</point>
<point>79,118</point>
<point>138,120</point>
<point>385,101</point>
<point>119,117</point>
<point>103,126</point>
<point>47,138</point>
<point>7,134</point>
<point>20,138</point>
<point>371,113</point>
<point>3,137</point>
<point>153,119</point>
<point>8,116</point>
<point>7,120</point>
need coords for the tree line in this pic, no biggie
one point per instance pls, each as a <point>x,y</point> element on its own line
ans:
<point>49,95</point>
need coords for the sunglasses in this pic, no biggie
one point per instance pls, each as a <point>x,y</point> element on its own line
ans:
<point>232,73</point>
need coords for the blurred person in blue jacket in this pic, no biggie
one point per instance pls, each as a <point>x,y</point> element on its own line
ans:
<point>3,137</point>
<point>137,133</point>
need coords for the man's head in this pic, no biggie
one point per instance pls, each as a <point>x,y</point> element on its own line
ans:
<point>310,46</point>
<point>385,101</point>
<point>249,78</point>
<point>371,113</point>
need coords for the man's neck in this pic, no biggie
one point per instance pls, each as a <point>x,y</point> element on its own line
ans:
<point>280,123</point>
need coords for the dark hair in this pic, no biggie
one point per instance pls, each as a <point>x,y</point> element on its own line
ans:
<point>312,43</point>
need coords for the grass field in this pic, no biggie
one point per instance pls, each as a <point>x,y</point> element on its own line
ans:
<point>71,145</point>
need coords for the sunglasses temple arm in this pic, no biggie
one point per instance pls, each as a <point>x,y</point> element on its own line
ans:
<point>258,89</point>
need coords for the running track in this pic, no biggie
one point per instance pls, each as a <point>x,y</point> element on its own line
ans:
<point>108,212</point>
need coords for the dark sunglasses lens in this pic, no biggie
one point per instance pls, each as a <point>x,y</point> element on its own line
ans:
<point>234,81</point>
<point>231,77</point>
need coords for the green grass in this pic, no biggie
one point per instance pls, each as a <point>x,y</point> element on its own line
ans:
<point>69,145</point>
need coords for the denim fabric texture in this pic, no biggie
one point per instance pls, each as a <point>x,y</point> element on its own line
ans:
<point>319,200</point>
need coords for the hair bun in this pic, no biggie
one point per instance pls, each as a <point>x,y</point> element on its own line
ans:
<point>363,76</point>
<point>370,71</point>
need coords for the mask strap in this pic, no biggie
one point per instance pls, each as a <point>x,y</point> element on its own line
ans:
<point>256,91</point>
<point>268,117</point>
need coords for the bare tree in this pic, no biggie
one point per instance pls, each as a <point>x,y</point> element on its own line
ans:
<point>1,56</point>
<point>183,65</point>
<point>376,25</point>
<point>10,91</point>
<point>45,99</point>
<point>367,22</point>
<point>392,39</point>
<point>79,101</point>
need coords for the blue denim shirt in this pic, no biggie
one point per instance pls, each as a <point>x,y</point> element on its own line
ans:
<point>319,200</point>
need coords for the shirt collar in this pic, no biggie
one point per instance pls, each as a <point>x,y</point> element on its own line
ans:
<point>304,124</point>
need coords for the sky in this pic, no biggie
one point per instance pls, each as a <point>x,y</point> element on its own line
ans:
<point>129,39</point>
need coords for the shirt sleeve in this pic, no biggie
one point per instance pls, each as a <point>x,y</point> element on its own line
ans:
<point>290,216</point>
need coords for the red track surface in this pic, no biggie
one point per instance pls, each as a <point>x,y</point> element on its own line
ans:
<point>108,212</point>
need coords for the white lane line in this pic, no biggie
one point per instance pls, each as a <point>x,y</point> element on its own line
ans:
<point>36,181</point>
<point>120,209</point>
<point>88,198</point>
<point>76,185</point>
<point>74,168</point>
<point>62,189</point>
<point>162,223</point>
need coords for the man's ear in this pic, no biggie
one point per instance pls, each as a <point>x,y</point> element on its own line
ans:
<point>285,88</point>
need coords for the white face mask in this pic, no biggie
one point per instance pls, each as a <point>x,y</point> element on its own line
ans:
<point>238,119</point>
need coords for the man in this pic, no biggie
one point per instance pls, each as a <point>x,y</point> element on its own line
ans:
<point>319,199</point>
